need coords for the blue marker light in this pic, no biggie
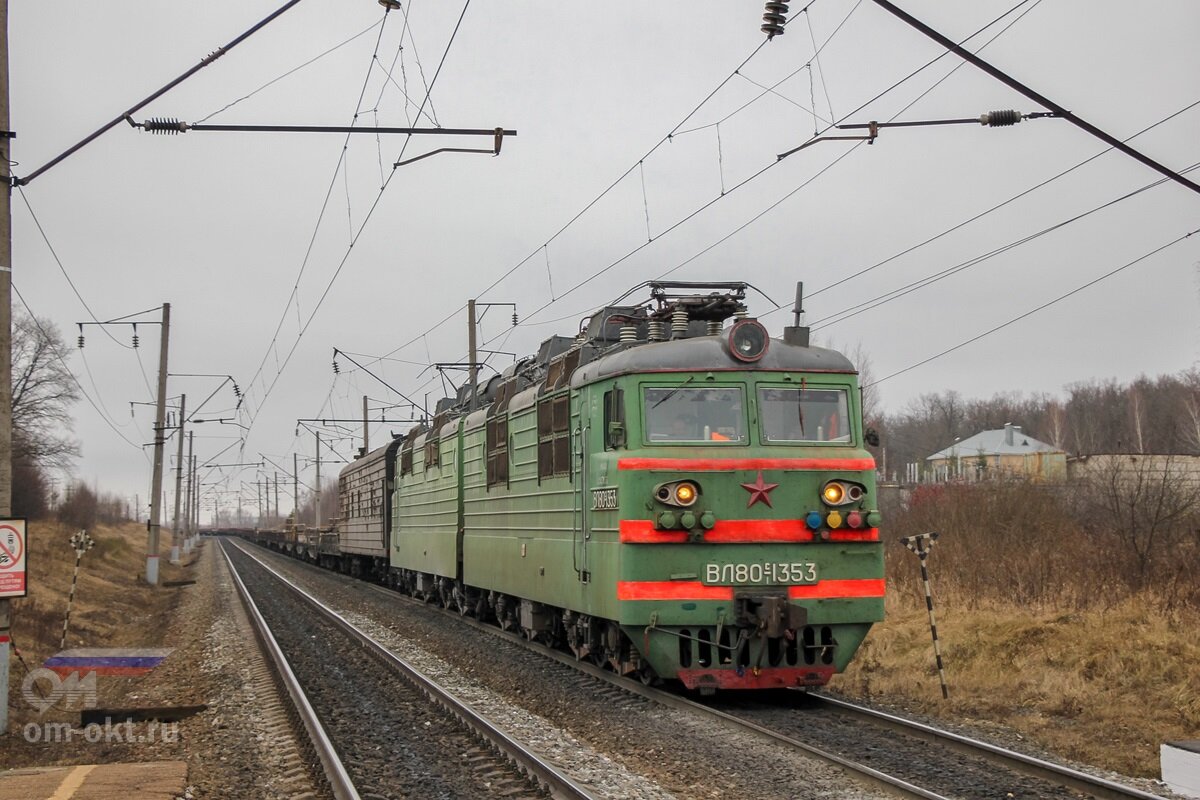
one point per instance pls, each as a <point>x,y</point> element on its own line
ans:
<point>813,520</point>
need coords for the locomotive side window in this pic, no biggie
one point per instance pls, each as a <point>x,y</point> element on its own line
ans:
<point>406,458</point>
<point>804,415</point>
<point>553,423</point>
<point>614,419</point>
<point>497,450</point>
<point>684,414</point>
<point>432,450</point>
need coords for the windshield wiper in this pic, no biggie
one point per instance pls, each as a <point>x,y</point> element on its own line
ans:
<point>673,392</point>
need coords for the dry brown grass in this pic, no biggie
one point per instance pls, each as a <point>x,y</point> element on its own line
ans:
<point>113,606</point>
<point>1040,630</point>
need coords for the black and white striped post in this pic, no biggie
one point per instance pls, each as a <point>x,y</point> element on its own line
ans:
<point>921,544</point>
<point>81,542</point>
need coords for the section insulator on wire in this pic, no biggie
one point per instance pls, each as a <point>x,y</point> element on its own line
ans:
<point>515,322</point>
<point>775,18</point>
<point>1000,119</point>
<point>164,125</point>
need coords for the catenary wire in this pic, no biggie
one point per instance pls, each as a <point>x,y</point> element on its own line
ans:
<point>1041,307</point>
<point>675,131</point>
<point>75,379</point>
<point>290,72</point>
<point>929,280</point>
<point>366,219</point>
<point>293,296</point>
<point>753,176</point>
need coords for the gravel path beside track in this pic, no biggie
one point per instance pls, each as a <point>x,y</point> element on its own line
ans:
<point>393,741</point>
<point>621,745</point>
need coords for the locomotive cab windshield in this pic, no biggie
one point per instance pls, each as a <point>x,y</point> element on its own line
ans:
<point>685,414</point>
<point>789,414</point>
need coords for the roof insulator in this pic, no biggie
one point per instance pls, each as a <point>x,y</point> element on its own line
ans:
<point>164,125</point>
<point>1000,119</point>
<point>775,18</point>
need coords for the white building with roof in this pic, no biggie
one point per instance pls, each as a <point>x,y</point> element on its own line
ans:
<point>1004,452</point>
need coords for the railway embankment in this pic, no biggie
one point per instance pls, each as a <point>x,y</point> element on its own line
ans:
<point>1053,633</point>
<point>221,715</point>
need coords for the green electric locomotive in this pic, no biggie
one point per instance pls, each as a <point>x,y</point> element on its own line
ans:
<point>676,497</point>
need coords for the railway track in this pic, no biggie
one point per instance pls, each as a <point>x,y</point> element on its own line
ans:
<point>898,756</point>
<point>346,736</point>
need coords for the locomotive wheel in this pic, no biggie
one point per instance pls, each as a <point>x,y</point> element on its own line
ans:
<point>647,675</point>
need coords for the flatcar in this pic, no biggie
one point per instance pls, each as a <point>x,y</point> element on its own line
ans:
<point>671,492</point>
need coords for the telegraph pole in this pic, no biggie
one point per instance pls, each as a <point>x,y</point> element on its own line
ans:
<point>366,442</point>
<point>178,482</point>
<point>160,416</point>
<point>277,517</point>
<point>5,344</point>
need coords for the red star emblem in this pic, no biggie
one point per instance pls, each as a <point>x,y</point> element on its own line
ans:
<point>759,490</point>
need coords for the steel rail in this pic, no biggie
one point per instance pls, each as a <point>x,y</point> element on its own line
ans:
<point>1019,762</point>
<point>869,775</point>
<point>1098,787</point>
<point>559,785</point>
<point>1031,766</point>
<point>335,772</point>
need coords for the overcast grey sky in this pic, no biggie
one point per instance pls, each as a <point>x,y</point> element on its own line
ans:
<point>219,224</point>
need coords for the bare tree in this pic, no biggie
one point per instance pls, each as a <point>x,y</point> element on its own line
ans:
<point>1147,504</point>
<point>1190,428</point>
<point>43,391</point>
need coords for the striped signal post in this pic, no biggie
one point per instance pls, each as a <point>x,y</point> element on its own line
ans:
<point>81,542</point>
<point>921,544</point>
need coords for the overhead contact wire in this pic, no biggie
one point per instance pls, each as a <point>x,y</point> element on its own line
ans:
<point>1042,307</point>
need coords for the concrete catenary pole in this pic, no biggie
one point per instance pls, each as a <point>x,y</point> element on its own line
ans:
<point>191,489</point>
<point>366,438</point>
<point>160,416</point>
<point>175,532</point>
<point>295,489</point>
<point>194,498</point>
<point>318,487</point>
<point>195,493</point>
<point>5,345</point>
<point>472,353</point>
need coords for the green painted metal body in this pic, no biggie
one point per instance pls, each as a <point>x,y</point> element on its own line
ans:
<point>427,508</point>
<point>555,540</point>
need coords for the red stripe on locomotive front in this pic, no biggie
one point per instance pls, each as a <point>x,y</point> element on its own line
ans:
<point>711,464</point>
<point>838,589</point>
<point>744,531</point>
<point>695,590</point>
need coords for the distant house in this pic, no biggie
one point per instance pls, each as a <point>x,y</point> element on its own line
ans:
<point>1004,452</point>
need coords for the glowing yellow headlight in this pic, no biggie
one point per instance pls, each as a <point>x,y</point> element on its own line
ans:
<point>833,493</point>
<point>685,494</point>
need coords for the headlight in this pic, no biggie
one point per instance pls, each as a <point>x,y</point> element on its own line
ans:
<point>748,340</point>
<point>677,493</point>
<point>840,493</point>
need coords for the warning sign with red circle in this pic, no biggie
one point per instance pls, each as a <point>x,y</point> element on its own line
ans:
<point>12,558</point>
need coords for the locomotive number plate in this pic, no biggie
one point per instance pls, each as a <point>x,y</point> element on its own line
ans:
<point>766,573</point>
<point>604,499</point>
